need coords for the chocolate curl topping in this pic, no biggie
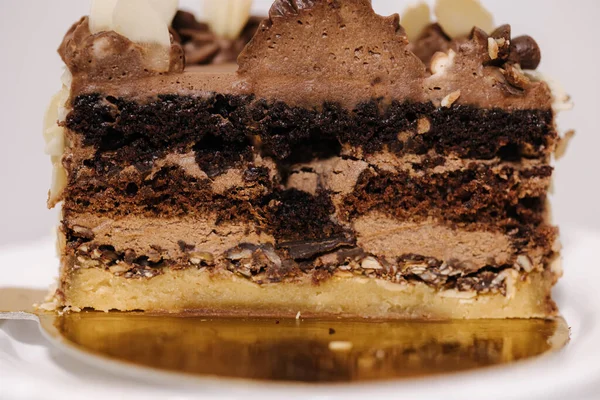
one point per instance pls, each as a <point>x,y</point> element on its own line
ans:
<point>282,8</point>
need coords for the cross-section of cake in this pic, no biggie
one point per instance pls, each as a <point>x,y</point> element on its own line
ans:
<point>340,169</point>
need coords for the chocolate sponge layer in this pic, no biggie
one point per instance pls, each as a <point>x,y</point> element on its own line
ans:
<point>506,200</point>
<point>124,131</point>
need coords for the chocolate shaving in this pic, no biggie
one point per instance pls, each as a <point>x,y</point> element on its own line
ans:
<point>307,249</point>
<point>282,8</point>
<point>203,47</point>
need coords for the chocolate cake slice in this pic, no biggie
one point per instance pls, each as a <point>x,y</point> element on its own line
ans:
<point>338,170</point>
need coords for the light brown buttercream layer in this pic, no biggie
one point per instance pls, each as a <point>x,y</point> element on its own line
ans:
<point>340,175</point>
<point>201,82</point>
<point>145,235</point>
<point>379,236</point>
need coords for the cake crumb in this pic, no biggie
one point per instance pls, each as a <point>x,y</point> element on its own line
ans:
<point>563,144</point>
<point>51,301</point>
<point>423,126</point>
<point>450,99</point>
<point>493,48</point>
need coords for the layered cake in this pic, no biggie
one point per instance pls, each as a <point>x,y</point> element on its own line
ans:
<point>347,166</point>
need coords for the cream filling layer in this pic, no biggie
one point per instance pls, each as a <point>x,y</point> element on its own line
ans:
<point>146,235</point>
<point>340,175</point>
<point>379,236</point>
<point>386,237</point>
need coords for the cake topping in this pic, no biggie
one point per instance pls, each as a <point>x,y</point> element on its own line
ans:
<point>101,15</point>
<point>440,61</point>
<point>202,46</point>
<point>525,51</point>
<point>141,21</point>
<point>122,39</point>
<point>165,8</point>
<point>110,56</point>
<point>502,38</point>
<point>339,42</point>
<point>432,40</point>
<point>415,19</point>
<point>343,50</point>
<point>227,18</point>
<point>458,17</point>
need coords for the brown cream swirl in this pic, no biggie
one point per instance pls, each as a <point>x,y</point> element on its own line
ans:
<point>108,56</point>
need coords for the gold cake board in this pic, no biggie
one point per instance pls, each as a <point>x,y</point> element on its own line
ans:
<point>286,350</point>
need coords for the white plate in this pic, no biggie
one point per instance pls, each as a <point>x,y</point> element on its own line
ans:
<point>31,368</point>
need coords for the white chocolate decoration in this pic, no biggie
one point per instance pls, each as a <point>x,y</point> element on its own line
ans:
<point>54,137</point>
<point>415,19</point>
<point>101,15</point>
<point>59,183</point>
<point>166,8</point>
<point>141,21</point>
<point>51,117</point>
<point>227,18</point>
<point>458,17</point>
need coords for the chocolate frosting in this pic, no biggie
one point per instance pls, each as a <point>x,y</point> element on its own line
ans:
<point>338,49</point>
<point>432,40</point>
<point>108,56</point>
<point>310,52</point>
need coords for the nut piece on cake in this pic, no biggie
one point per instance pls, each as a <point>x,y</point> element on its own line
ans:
<point>339,170</point>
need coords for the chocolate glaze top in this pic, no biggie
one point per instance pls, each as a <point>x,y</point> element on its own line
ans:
<point>309,52</point>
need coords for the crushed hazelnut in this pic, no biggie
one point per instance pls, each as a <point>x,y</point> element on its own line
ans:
<point>199,257</point>
<point>493,48</point>
<point>524,263</point>
<point>450,99</point>
<point>515,76</point>
<point>423,126</point>
<point>371,263</point>
<point>441,61</point>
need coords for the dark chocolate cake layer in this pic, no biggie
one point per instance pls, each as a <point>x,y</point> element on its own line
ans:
<point>127,131</point>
